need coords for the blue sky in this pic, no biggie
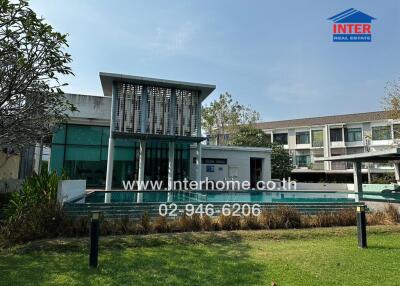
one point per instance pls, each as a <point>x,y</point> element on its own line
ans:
<point>276,56</point>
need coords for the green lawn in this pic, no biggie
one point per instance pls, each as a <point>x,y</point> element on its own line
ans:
<point>288,257</point>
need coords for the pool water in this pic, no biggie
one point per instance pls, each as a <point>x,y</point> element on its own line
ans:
<point>223,196</point>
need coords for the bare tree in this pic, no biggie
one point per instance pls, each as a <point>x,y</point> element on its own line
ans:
<point>32,57</point>
<point>391,101</point>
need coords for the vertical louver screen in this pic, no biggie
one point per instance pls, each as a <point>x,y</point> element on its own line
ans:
<point>159,110</point>
<point>186,113</point>
<point>165,111</point>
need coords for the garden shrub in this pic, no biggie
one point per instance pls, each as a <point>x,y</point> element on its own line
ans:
<point>376,218</point>
<point>161,224</point>
<point>33,212</point>
<point>392,214</point>
<point>209,224</point>
<point>229,222</point>
<point>265,219</point>
<point>187,223</point>
<point>78,226</point>
<point>250,222</point>
<point>144,225</point>
<point>285,217</point>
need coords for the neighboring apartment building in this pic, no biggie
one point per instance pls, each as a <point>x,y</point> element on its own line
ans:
<point>309,138</point>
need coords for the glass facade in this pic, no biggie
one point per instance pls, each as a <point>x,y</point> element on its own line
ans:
<point>81,152</point>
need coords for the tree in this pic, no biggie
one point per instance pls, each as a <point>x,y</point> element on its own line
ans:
<point>281,163</point>
<point>391,101</point>
<point>248,136</point>
<point>32,57</point>
<point>223,116</point>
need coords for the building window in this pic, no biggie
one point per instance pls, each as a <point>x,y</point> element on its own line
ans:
<point>303,137</point>
<point>336,135</point>
<point>281,138</point>
<point>381,133</point>
<point>268,137</point>
<point>396,131</point>
<point>317,138</point>
<point>303,160</point>
<point>353,134</point>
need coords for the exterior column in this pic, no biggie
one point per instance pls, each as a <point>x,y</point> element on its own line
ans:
<point>171,159</point>
<point>110,155</point>
<point>110,165</point>
<point>357,178</point>
<point>198,165</point>
<point>397,172</point>
<point>142,159</point>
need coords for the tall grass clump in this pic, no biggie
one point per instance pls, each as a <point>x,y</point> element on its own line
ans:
<point>392,214</point>
<point>345,217</point>
<point>251,222</point>
<point>144,225</point>
<point>33,212</point>
<point>229,222</point>
<point>161,225</point>
<point>285,217</point>
<point>209,223</point>
<point>376,218</point>
<point>186,223</point>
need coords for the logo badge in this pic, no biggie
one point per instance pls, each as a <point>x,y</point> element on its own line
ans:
<point>352,26</point>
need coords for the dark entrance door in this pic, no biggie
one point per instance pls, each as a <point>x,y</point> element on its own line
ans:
<point>255,171</point>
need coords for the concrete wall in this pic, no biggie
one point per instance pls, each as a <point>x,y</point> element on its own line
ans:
<point>10,185</point>
<point>9,166</point>
<point>238,162</point>
<point>91,108</point>
<point>70,189</point>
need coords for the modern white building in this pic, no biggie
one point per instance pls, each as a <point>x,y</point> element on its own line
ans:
<point>309,138</point>
<point>146,129</point>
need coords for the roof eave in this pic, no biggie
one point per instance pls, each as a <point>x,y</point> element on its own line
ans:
<point>107,80</point>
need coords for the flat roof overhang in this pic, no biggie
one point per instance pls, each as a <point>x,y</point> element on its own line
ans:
<point>165,138</point>
<point>107,80</point>
<point>392,154</point>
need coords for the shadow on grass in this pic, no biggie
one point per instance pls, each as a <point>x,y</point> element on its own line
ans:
<point>382,247</point>
<point>187,259</point>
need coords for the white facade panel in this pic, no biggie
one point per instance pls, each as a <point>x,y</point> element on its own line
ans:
<point>237,165</point>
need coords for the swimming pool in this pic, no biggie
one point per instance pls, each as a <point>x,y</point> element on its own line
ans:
<point>224,196</point>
